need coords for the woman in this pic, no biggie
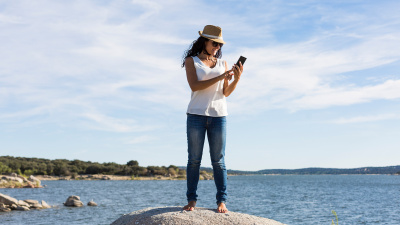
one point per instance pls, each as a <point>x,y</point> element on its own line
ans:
<point>208,77</point>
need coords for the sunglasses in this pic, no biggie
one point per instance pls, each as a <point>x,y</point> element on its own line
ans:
<point>215,44</point>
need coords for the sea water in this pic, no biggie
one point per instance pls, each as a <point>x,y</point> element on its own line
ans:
<point>290,199</point>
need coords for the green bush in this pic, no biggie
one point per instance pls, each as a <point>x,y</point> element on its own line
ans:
<point>28,172</point>
<point>4,168</point>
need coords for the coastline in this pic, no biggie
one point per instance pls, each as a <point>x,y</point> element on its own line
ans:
<point>127,177</point>
<point>107,177</point>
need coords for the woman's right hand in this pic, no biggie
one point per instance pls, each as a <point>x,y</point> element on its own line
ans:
<point>227,75</point>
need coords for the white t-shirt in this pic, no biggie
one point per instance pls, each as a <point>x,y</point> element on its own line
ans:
<point>210,101</point>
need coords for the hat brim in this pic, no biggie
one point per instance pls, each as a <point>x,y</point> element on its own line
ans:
<point>212,39</point>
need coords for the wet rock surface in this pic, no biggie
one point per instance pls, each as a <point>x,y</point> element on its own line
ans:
<point>92,203</point>
<point>8,203</point>
<point>73,201</point>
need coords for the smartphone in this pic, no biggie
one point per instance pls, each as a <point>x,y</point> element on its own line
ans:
<point>242,60</point>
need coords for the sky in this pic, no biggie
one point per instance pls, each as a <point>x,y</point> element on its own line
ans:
<point>102,81</point>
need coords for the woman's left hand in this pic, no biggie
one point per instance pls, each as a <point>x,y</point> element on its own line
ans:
<point>237,70</point>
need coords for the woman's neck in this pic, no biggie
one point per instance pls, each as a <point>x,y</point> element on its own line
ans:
<point>205,57</point>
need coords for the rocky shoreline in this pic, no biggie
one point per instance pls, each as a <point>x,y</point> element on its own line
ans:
<point>8,203</point>
<point>203,176</point>
<point>17,181</point>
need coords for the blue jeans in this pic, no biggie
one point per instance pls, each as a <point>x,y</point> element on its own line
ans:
<point>197,127</point>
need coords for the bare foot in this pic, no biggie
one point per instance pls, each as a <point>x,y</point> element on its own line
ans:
<point>190,206</point>
<point>222,208</point>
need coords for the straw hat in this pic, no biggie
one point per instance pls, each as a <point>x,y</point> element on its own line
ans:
<point>213,33</point>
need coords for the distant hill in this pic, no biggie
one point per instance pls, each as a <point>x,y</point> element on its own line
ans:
<point>315,171</point>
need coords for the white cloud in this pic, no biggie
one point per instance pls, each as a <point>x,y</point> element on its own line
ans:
<point>68,59</point>
<point>362,119</point>
<point>305,75</point>
<point>349,95</point>
<point>107,123</point>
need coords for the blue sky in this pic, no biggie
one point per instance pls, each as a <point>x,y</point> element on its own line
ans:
<point>101,81</point>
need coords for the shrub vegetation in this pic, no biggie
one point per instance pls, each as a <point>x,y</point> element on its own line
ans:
<point>63,167</point>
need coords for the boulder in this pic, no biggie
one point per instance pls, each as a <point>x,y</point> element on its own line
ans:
<point>3,181</point>
<point>13,174</point>
<point>34,180</point>
<point>36,206</point>
<point>73,201</point>
<point>4,208</point>
<point>14,206</point>
<point>22,203</point>
<point>177,216</point>
<point>22,208</point>
<point>207,176</point>
<point>29,185</point>
<point>23,178</point>
<point>15,179</point>
<point>105,178</point>
<point>45,205</point>
<point>31,202</point>
<point>7,200</point>
<point>92,203</point>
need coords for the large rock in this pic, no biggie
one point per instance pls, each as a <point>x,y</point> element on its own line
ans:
<point>4,208</point>
<point>22,208</point>
<point>31,202</point>
<point>22,203</point>
<point>177,216</point>
<point>45,205</point>
<point>92,203</point>
<point>12,178</point>
<point>36,206</point>
<point>34,180</point>
<point>106,178</point>
<point>7,200</point>
<point>73,201</point>
<point>23,178</point>
<point>29,185</point>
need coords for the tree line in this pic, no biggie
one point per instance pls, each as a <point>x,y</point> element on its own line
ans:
<point>63,167</point>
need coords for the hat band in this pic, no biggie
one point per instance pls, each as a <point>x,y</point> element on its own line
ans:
<point>212,36</point>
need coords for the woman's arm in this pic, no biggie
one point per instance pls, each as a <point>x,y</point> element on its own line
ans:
<point>227,79</point>
<point>237,72</point>
<point>196,84</point>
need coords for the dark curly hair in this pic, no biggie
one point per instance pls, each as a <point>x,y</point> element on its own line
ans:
<point>197,47</point>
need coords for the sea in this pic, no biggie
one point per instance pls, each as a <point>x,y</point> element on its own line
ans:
<point>289,199</point>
